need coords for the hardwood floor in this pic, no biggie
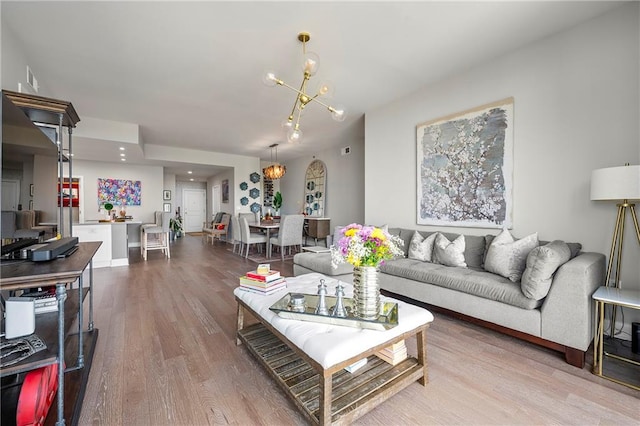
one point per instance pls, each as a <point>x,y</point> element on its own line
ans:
<point>166,355</point>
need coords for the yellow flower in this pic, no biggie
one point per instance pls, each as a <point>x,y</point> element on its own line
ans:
<point>350,232</point>
<point>377,233</point>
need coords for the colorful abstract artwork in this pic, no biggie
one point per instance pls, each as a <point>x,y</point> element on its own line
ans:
<point>119,192</point>
<point>465,168</point>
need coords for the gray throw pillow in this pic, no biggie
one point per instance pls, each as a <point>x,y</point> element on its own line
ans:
<point>507,256</point>
<point>542,263</point>
<point>449,253</point>
<point>421,248</point>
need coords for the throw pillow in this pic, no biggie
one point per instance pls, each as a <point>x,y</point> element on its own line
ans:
<point>421,248</point>
<point>542,263</point>
<point>449,253</point>
<point>507,256</point>
<point>220,226</point>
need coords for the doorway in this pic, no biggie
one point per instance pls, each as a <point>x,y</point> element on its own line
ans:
<point>10,194</point>
<point>194,204</point>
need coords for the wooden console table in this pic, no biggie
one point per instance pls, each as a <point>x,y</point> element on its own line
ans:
<point>53,327</point>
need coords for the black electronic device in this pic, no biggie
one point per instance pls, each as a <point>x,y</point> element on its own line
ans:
<point>14,247</point>
<point>54,249</point>
<point>635,337</point>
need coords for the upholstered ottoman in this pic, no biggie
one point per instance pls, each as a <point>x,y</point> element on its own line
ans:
<point>306,262</point>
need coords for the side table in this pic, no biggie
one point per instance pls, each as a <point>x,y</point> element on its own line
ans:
<point>616,297</point>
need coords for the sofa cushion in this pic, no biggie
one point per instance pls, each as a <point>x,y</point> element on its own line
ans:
<point>449,253</point>
<point>507,256</point>
<point>467,280</point>
<point>421,248</point>
<point>321,262</point>
<point>542,263</point>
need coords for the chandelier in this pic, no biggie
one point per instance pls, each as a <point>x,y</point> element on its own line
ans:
<point>276,170</point>
<point>309,67</point>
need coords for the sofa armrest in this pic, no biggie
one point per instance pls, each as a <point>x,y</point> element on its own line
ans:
<point>567,312</point>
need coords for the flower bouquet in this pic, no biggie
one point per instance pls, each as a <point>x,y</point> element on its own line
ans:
<point>365,247</point>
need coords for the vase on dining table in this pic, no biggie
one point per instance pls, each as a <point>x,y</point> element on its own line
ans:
<point>366,292</point>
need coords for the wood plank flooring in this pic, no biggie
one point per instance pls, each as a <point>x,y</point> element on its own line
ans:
<point>166,355</point>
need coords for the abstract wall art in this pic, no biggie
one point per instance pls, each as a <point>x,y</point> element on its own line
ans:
<point>119,192</point>
<point>465,168</point>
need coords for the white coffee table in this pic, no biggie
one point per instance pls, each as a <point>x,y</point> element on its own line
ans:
<point>307,359</point>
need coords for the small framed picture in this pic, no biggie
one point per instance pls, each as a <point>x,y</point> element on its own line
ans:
<point>31,204</point>
<point>166,194</point>
<point>31,190</point>
<point>166,208</point>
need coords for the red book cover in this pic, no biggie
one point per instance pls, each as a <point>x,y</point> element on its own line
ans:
<point>272,275</point>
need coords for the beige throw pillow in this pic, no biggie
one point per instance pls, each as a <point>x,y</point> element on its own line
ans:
<point>507,256</point>
<point>449,253</point>
<point>542,263</point>
<point>421,248</point>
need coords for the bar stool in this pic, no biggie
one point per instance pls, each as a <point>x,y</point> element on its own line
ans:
<point>155,236</point>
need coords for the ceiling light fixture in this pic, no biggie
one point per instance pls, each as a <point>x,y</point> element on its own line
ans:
<point>276,170</point>
<point>310,67</point>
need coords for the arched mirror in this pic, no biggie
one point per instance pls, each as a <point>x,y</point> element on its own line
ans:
<point>315,189</point>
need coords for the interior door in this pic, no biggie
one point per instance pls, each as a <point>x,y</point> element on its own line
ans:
<point>194,209</point>
<point>10,194</point>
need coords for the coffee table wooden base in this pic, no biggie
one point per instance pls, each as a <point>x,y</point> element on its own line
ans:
<point>331,396</point>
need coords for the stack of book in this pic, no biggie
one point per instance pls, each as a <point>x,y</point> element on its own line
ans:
<point>262,283</point>
<point>393,354</point>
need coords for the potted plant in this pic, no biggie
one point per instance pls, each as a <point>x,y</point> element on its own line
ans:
<point>108,207</point>
<point>175,227</point>
<point>277,202</point>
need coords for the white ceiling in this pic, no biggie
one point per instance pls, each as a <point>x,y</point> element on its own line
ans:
<point>190,73</point>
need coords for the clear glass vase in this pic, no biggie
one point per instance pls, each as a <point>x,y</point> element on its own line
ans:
<point>366,292</point>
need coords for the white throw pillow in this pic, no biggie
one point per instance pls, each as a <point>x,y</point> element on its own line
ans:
<point>449,253</point>
<point>421,248</point>
<point>507,256</point>
<point>542,263</point>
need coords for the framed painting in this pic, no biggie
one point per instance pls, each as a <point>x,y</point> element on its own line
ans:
<point>225,191</point>
<point>119,192</point>
<point>166,207</point>
<point>166,194</point>
<point>465,168</point>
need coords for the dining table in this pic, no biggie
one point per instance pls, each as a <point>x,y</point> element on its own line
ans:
<point>267,226</point>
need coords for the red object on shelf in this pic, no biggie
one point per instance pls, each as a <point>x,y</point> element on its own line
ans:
<point>37,393</point>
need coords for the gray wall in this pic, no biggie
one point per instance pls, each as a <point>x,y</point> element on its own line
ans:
<point>345,185</point>
<point>576,109</point>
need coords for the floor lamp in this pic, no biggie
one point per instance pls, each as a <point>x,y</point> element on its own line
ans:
<point>621,184</point>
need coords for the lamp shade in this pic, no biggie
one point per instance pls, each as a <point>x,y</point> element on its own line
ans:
<point>616,183</point>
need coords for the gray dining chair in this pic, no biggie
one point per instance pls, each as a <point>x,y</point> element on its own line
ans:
<point>236,238</point>
<point>247,237</point>
<point>289,234</point>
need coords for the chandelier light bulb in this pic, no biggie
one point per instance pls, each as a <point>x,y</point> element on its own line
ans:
<point>326,89</point>
<point>287,124</point>
<point>294,135</point>
<point>311,63</point>
<point>338,113</point>
<point>269,79</point>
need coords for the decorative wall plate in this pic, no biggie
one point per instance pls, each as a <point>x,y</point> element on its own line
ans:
<point>318,194</point>
<point>244,186</point>
<point>311,186</point>
<point>244,201</point>
<point>309,198</point>
<point>255,207</point>
<point>254,193</point>
<point>254,177</point>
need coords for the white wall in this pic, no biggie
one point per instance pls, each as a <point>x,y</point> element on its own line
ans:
<point>150,177</point>
<point>577,103</point>
<point>345,186</point>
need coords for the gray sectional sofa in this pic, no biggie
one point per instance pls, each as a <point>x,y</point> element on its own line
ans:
<point>562,320</point>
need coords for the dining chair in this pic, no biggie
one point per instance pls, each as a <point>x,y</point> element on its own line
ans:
<point>249,237</point>
<point>289,234</point>
<point>236,238</point>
